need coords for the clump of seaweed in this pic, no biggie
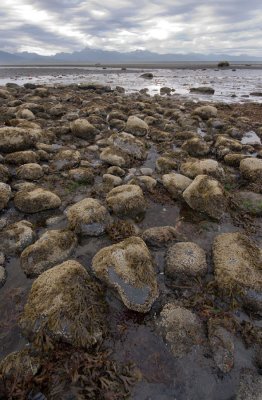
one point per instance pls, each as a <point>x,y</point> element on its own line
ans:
<point>120,230</point>
<point>66,373</point>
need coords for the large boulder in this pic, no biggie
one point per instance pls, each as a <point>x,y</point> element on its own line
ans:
<point>64,304</point>
<point>36,200</point>
<point>194,167</point>
<point>180,328</point>
<point>88,217</point>
<point>238,268</point>
<point>251,168</point>
<point>53,247</point>
<point>176,184</point>
<point>136,126</point>
<point>81,128</point>
<point>30,172</point>
<point>127,268</point>
<point>206,195</point>
<point>126,200</point>
<point>14,139</point>
<point>5,195</point>
<point>16,237</point>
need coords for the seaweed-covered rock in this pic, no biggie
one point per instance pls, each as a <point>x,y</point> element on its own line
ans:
<point>129,144</point>
<point>250,386</point>
<point>222,345</point>
<point>66,159</point>
<point>22,157</point>
<point>127,268</point>
<point>19,366</point>
<point>88,217</point>
<point>14,139</point>
<point>82,175</point>
<point>65,304</point>
<point>136,126</point>
<point>81,128</point>
<point>5,194</point>
<point>206,195</point>
<point>210,167</point>
<point>4,173</point>
<point>176,184</point>
<point>206,112</point>
<point>238,268</point>
<point>126,200</point>
<point>2,276</point>
<point>249,202</point>
<point>53,247</point>
<point>36,200</point>
<point>196,147</point>
<point>251,168</point>
<point>30,172</point>
<point>114,156</point>
<point>180,328</point>
<point>185,260</point>
<point>159,236</point>
<point>16,237</point>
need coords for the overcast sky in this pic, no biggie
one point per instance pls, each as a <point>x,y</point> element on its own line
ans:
<point>211,26</point>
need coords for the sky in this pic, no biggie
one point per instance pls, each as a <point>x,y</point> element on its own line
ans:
<point>165,26</point>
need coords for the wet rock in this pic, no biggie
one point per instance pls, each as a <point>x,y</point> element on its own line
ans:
<point>180,328</point>
<point>250,386</point>
<point>234,159</point>
<point>14,139</point>
<point>165,90</point>
<point>116,171</point>
<point>145,182</point>
<point>4,173</point>
<point>196,147</point>
<point>194,167</point>
<point>65,304</point>
<point>126,200</point>
<point>53,247</point>
<point>129,144</point>
<point>176,184</point>
<point>36,200</point>
<point>224,142</point>
<point>25,114</point>
<point>5,195</point>
<point>30,172</point>
<point>251,168</point>
<point>82,175</point>
<point>81,128</point>
<point>147,75</point>
<point>66,159</point>
<point>16,237</point>
<point>185,260</point>
<point>112,180</point>
<point>249,202</point>
<point>114,156</point>
<point>20,366</point>
<point>206,112</point>
<point>22,157</point>
<point>238,268</point>
<point>202,90</point>
<point>206,195</point>
<point>3,276</point>
<point>136,126</point>
<point>166,164</point>
<point>159,236</point>
<point>127,268</point>
<point>88,217</point>
<point>146,171</point>
<point>222,345</point>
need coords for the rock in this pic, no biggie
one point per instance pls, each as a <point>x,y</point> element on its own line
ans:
<point>4,173</point>
<point>16,237</point>
<point>159,236</point>
<point>129,144</point>
<point>36,200</point>
<point>180,328</point>
<point>238,268</point>
<point>53,247</point>
<point>224,142</point>
<point>202,90</point>
<point>5,195</point>
<point>64,304</point>
<point>250,386</point>
<point>147,75</point>
<point>165,90</point>
<point>112,180</point>
<point>25,114</point>
<point>31,172</point>
<point>222,344</point>
<point>176,184</point>
<point>66,159</point>
<point>165,164</point>
<point>2,276</point>
<point>146,182</point>
<point>82,175</point>
<point>234,159</point>
<point>88,217</point>
<point>22,157</point>
<point>81,128</point>
<point>206,112</point>
<point>185,260</point>
<point>116,171</point>
<point>127,268</point>
<point>146,171</point>
<point>251,168</point>
<point>249,202</point>
<point>194,167</point>
<point>206,195</point>
<point>14,139</point>
<point>136,126</point>
<point>196,147</point>
<point>126,200</point>
<point>114,156</point>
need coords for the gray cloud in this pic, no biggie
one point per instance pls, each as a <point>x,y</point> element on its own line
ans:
<point>49,26</point>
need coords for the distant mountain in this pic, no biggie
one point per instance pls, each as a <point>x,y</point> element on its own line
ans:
<point>91,56</point>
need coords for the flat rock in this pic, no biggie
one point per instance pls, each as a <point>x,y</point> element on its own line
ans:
<point>36,200</point>
<point>127,268</point>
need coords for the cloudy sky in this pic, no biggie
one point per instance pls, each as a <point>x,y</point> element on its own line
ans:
<point>210,26</point>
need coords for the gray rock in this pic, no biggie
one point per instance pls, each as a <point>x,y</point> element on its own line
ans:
<point>16,237</point>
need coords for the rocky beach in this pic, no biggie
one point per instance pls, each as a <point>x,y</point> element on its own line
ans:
<point>131,238</point>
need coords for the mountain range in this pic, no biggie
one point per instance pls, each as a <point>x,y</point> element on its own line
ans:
<point>91,56</point>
